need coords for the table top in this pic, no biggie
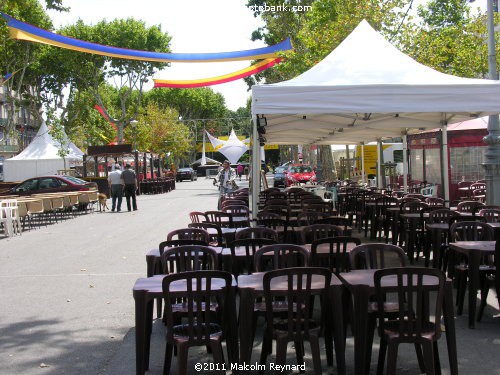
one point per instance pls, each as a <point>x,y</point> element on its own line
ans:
<point>153,285</point>
<point>365,278</point>
<point>241,252</point>
<point>255,282</point>
<point>156,252</point>
<point>483,246</point>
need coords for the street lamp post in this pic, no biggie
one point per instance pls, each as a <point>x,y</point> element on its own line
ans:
<point>134,129</point>
<point>492,156</point>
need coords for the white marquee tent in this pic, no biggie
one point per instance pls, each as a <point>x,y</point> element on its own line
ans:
<point>366,89</point>
<point>40,158</point>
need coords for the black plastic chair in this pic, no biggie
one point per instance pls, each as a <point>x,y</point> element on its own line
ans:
<point>295,323</point>
<point>245,264</point>
<point>189,234</point>
<point>412,323</point>
<point>206,292</point>
<point>337,258</point>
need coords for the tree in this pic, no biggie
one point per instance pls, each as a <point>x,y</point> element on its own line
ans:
<point>194,106</point>
<point>159,131</point>
<point>20,59</point>
<point>59,135</point>
<point>50,4</point>
<point>87,126</point>
<point>448,38</point>
<point>82,71</point>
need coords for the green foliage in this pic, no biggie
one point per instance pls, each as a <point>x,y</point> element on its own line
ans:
<point>159,130</point>
<point>315,33</point>
<point>87,126</point>
<point>88,72</point>
<point>448,38</point>
<point>20,58</point>
<point>196,103</point>
<point>58,134</point>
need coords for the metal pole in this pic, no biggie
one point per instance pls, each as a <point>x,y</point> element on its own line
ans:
<point>380,175</point>
<point>363,162</point>
<point>446,163</point>
<point>492,156</point>
<point>405,163</point>
<point>255,185</point>
<point>318,164</point>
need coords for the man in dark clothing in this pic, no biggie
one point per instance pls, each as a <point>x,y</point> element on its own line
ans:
<point>130,181</point>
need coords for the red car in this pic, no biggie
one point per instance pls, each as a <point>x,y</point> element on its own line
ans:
<point>299,173</point>
<point>50,184</point>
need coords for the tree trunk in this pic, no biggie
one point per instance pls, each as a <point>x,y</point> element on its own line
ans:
<point>327,167</point>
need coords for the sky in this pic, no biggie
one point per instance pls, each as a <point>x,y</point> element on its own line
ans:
<point>196,26</point>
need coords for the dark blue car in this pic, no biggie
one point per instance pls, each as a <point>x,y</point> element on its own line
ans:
<point>279,176</point>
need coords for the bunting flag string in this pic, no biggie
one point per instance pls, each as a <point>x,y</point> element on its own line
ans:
<point>253,69</point>
<point>24,31</point>
<point>113,125</point>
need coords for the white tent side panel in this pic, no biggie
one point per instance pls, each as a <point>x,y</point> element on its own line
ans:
<point>19,170</point>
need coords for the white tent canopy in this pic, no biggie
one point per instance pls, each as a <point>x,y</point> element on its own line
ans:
<point>367,89</point>
<point>40,157</point>
<point>232,149</point>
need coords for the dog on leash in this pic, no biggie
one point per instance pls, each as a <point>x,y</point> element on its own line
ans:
<point>103,206</point>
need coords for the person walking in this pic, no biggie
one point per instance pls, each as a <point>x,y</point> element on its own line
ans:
<point>239,170</point>
<point>115,182</point>
<point>130,180</point>
<point>225,178</point>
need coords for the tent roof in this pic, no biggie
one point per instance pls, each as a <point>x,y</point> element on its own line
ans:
<point>209,162</point>
<point>45,147</point>
<point>367,89</point>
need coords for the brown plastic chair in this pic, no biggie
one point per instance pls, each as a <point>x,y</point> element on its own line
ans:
<point>434,201</point>
<point>245,264</point>
<point>339,221</point>
<point>314,232</point>
<point>296,322</point>
<point>214,232</point>
<point>492,215</point>
<point>305,218</point>
<point>415,322</point>
<point>189,258</point>
<point>189,234</point>
<point>185,258</point>
<point>378,255</point>
<point>257,232</point>
<point>175,243</point>
<point>337,259</point>
<point>201,325</point>
<point>487,279</point>
<point>221,218</point>
<point>240,215</point>
<point>280,256</point>
<point>197,217</point>
<point>470,206</point>
<point>275,222</point>
<point>467,231</point>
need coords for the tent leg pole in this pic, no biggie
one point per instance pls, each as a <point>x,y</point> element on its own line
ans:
<point>255,183</point>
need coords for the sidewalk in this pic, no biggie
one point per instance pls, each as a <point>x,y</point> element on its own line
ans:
<point>67,305</point>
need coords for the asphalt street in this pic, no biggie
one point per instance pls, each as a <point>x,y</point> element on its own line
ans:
<point>67,306</point>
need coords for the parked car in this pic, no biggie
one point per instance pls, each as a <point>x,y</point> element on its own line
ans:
<point>50,184</point>
<point>186,174</point>
<point>299,173</point>
<point>279,176</point>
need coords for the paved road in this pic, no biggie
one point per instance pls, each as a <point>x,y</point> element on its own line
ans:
<point>67,306</point>
<point>67,288</point>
